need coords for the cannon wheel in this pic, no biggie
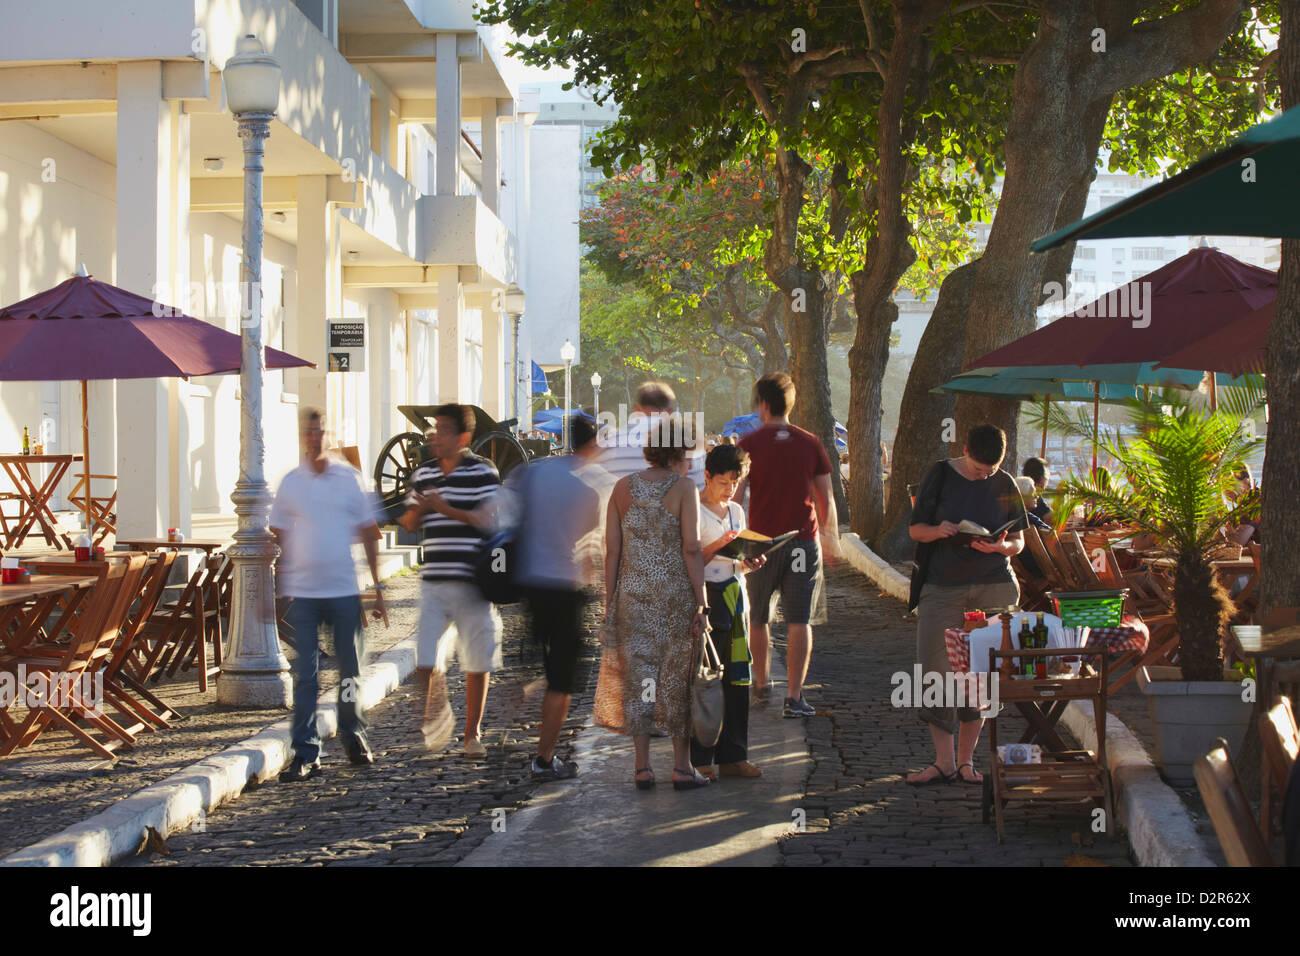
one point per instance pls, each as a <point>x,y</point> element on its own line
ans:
<point>501,449</point>
<point>397,463</point>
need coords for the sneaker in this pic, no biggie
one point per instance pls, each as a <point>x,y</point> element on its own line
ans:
<point>797,708</point>
<point>557,769</point>
<point>300,770</point>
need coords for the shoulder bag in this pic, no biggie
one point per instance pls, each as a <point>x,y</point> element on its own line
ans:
<point>706,695</point>
<point>925,549</point>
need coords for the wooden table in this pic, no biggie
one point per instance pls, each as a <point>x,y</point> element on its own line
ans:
<point>153,544</point>
<point>34,499</point>
<point>24,608</point>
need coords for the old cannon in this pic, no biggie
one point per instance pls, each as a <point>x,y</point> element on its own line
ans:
<point>403,453</point>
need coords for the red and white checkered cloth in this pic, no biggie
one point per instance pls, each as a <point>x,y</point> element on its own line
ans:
<point>1132,635</point>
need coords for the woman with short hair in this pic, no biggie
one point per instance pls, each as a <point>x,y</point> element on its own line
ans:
<point>656,607</point>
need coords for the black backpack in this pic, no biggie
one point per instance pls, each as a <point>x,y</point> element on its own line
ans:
<point>494,568</point>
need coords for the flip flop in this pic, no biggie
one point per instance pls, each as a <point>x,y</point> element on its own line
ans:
<point>932,781</point>
<point>697,780</point>
<point>967,782</point>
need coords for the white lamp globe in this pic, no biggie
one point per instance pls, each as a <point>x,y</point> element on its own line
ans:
<point>252,78</point>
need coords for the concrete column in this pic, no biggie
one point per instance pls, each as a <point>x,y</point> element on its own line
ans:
<point>491,153</point>
<point>494,399</point>
<point>306,335</point>
<point>178,392</point>
<point>451,333</point>
<point>447,106</point>
<point>147,222</point>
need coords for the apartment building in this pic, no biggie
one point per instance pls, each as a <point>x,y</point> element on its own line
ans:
<point>405,187</point>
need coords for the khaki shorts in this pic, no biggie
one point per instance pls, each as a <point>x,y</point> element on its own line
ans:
<point>476,639</point>
<point>940,609</point>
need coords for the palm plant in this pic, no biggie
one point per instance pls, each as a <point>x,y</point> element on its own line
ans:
<point>1172,482</point>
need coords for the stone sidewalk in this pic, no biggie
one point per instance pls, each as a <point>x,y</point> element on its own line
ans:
<point>838,775</point>
<point>859,810</point>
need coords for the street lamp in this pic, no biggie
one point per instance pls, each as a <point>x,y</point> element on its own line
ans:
<point>513,300</point>
<point>595,387</point>
<point>255,672</point>
<point>567,352</point>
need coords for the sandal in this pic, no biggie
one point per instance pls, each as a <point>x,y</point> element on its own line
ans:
<point>938,778</point>
<point>967,780</point>
<point>697,780</point>
<point>644,784</point>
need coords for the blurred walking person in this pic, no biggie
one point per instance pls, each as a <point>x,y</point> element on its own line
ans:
<point>721,522</point>
<point>620,449</point>
<point>451,500</point>
<point>560,508</point>
<point>790,490</point>
<point>656,609</point>
<point>320,509</point>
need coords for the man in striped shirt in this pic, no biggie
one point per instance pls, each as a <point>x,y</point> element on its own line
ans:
<point>451,500</point>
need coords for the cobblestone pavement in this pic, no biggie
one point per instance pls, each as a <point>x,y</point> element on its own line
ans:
<point>859,810</point>
<point>419,807</point>
<point>412,806</point>
<point>57,782</point>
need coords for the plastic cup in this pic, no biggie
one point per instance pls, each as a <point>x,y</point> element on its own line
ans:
<point>81,554</point>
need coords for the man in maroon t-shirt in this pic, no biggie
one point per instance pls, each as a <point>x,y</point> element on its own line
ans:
<point>789,490</point>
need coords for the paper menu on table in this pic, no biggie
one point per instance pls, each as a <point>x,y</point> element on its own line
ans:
<point>990,636</point>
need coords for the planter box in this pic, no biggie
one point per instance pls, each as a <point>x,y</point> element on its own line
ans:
<point>1189,716</point>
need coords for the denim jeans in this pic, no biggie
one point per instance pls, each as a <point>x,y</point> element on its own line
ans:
<point>343,616</point>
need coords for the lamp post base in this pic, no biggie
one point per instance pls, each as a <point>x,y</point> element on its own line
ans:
<point>263,689</point>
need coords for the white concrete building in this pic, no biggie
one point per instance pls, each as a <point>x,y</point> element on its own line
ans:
<point>404,189</point>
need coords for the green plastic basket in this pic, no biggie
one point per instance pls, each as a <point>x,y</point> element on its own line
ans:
<point>1090,608</point>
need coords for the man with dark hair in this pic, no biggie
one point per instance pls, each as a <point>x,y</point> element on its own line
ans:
<point>451,499</point>
<point>1036,470</point>
<point>790,490</point>
<point>560,507</point>
<point>319,510</point>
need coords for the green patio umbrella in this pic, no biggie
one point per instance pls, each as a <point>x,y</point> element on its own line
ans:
<point>1013,385</point>
<point>1246,189</point>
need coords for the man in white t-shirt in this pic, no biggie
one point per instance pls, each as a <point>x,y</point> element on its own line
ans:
<point>620,448</point>
<point>320,509</point>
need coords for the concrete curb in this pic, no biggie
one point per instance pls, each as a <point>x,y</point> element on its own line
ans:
<point>1160,830</point>
<point>181,800</point>
<point>881,573</point>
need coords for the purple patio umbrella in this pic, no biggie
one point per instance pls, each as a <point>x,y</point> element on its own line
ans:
<point>85,329</point>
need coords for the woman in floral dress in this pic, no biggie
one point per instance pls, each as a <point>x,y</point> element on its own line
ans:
<point>654,571</point>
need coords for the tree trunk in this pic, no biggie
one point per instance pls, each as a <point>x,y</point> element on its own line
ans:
<point>1202,608</point>
<point>923,416</point>
<point>1280,571</point>
<point>807,318</point>
<point>1063,91</point>
<point>810,370</point>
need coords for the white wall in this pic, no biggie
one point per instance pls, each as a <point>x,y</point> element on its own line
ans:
<point>46,229</point>
<point>550,236</point>
<point>212,406</point>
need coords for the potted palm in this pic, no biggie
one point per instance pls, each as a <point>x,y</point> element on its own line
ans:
<point>1172,481</point>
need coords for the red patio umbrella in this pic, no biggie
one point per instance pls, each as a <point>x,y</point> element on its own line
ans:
<point>1235,348</point>
<point>1183,302</point>
<point>85,329</point>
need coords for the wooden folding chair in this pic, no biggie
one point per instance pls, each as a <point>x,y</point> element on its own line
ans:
<point>205,622</point>
<point>122,677</point>
<point>1281,745</point>
<point>88,653</point>
<point>1229,811</point>
<point>103,517</point>
<point>165,630</point>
